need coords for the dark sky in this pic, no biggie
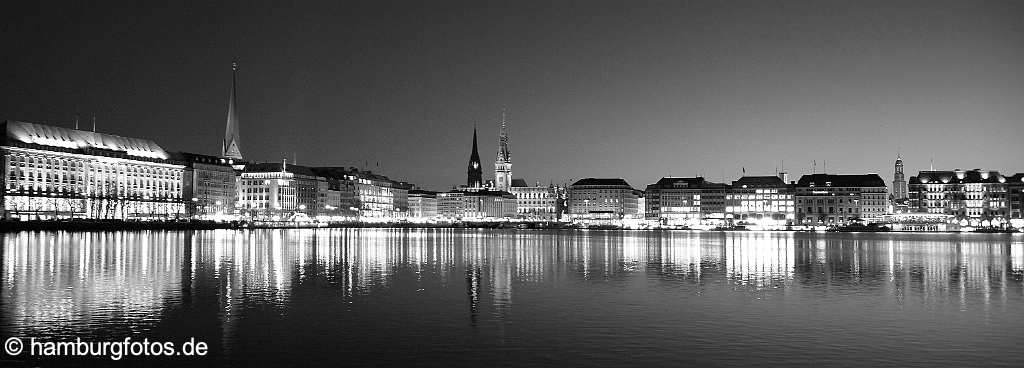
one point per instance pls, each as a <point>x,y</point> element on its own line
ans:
<point>627,89</point>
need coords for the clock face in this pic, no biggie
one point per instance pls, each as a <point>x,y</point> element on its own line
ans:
<point>476,165</point>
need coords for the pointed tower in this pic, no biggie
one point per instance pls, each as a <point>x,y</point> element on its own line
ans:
<point>231,147</point>
<point>474,173</point>
<point>899,183</point>
<point>503,164</point>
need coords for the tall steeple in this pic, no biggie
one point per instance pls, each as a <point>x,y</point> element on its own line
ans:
<point>231,147</point>
<point>474,173</point>
<point>503,163</point>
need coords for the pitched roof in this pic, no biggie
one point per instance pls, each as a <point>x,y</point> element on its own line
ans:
<point>519,183</point>
<point>759,182</point>
<point>859,180</point>
<point>698,182</point>
<point>602,181</point>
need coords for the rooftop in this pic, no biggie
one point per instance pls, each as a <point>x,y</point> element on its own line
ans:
<point>759,182</point>
<point>276,167</point>
<point>53,136</point>
<point>670,182</point>
<point>603,182</point>
<point>838,180</point>
<point>957,177</point>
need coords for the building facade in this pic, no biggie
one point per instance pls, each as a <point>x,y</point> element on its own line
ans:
<point>450,205</point>
<point>692,201</point>
<point>422,205</point>
<point>209,185</point>
<point>973,197</point>
<point>54,173</point>
<point>1015,196</point>
<point>601,199</point>
<point>828,199</point>
<point>535,202</point>
<point>760,200</point>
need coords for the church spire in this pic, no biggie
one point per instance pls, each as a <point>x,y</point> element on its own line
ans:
<point>474,173</point>
<point>231,147</point>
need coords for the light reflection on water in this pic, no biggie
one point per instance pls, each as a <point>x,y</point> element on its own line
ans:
<point>528,297</point>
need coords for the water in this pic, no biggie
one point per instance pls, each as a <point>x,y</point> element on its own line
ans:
<point>375,297</point>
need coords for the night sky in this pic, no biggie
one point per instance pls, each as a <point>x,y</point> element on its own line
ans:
<point>627,89</point>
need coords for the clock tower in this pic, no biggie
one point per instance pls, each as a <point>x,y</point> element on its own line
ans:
<point>474,173</point>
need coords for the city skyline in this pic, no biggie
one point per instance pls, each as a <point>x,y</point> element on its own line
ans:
<point>744,87</point>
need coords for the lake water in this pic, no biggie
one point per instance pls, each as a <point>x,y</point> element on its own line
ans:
<point>442,297</point>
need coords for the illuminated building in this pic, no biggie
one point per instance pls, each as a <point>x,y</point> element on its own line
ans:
<point>829,199</point>
<point>686,201</point>
<point>277,191</point>
<point>422,205</point>
<point>476,205</point>
<point>760,200</point>
<point>474,173</point>
<point>601,200</point>
<point>641,204</point>
<point>503,163</point>
<point>1015,196</point>
<point>400,199</point>
<point>209,185</point>
<point>450,204</point>
<point>489,204</point>
<point>535,202</point>
<point>53,172</point>
<point>377,197</point>
<point>972,197</point>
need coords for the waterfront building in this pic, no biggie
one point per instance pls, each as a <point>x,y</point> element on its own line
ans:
<point>400,199</point>
<point>600,200</point>
<point>535,202</point>
<point>692,201</point>
<point>829,199</point>
<point>641,204</point>
<point>280,192</point>
<point>764,201</point>
<point>1015,198</point>
<point>209,185</point>
<point>422,205</point>
<point>450,204</point>
<point>375,194</point>
<point>53,172</point>
<point>973,197</point>
<point>231,148</point>
<point>489,204</point>
<point>503,163</point>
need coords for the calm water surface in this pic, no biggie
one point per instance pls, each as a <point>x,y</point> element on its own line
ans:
<point>373,297</point>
